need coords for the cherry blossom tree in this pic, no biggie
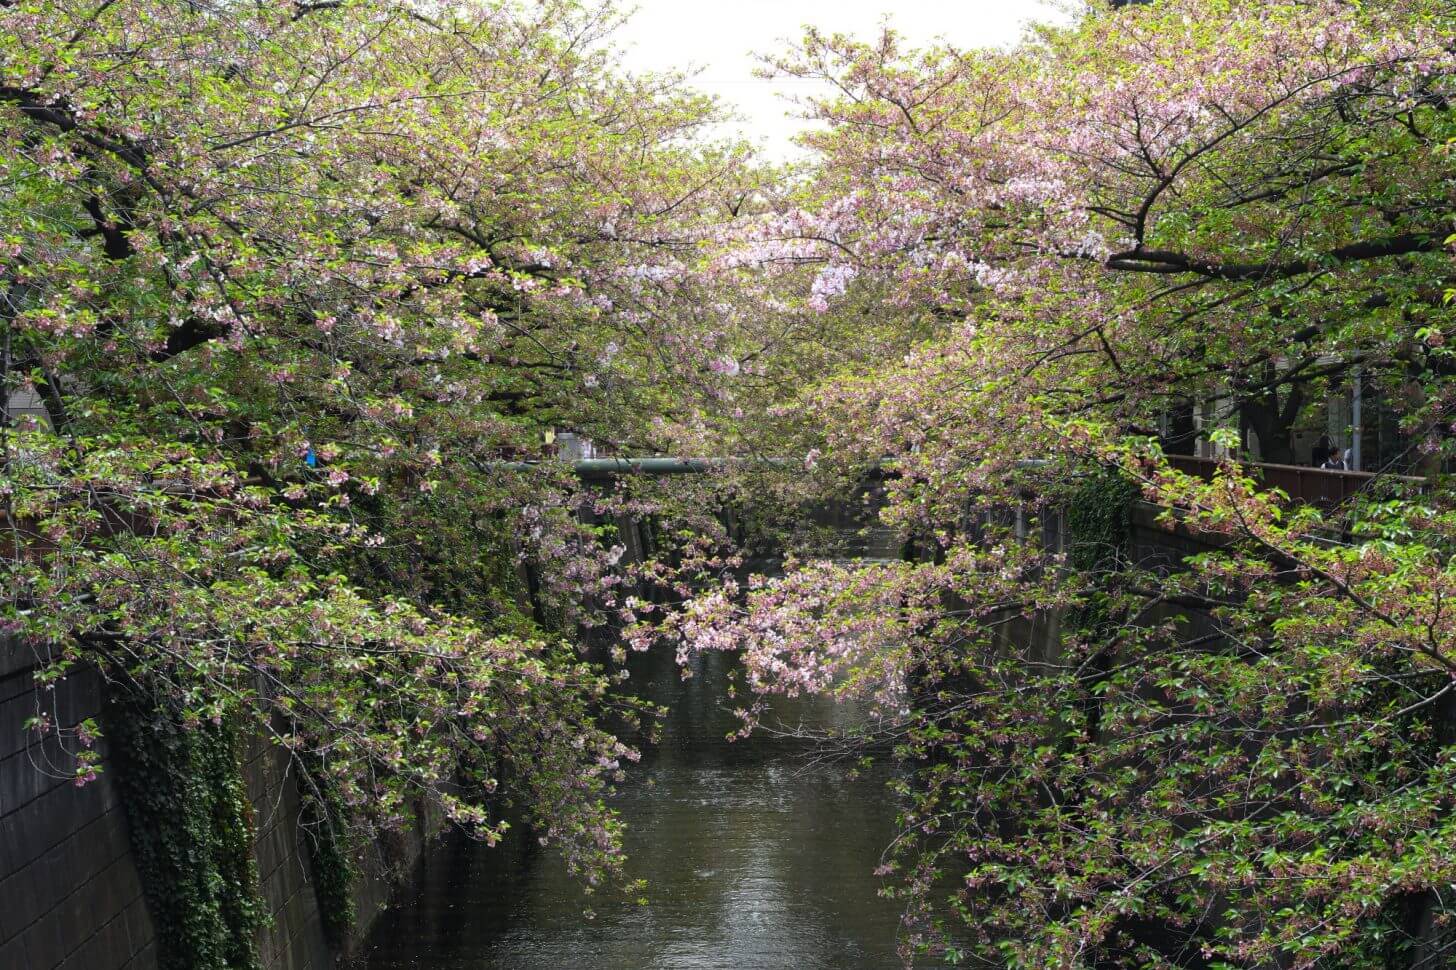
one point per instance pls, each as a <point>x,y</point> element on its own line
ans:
<point>288,286</point>
<point>1241,761</point>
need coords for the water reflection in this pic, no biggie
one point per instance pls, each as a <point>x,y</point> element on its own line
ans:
<point>757,856</point>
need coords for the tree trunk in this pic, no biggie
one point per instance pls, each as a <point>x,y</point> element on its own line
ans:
<point>1268,423</point>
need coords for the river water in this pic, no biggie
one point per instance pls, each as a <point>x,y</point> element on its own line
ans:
<point>758,856</point>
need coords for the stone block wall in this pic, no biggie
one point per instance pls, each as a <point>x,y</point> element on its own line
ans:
<point>71,897</point>
<point>295,940</point>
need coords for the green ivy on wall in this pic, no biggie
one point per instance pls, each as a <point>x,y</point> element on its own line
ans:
<point>1099,520</point>
<point>327,834</point>
<point>191,832</point>
<point>1099,529</point>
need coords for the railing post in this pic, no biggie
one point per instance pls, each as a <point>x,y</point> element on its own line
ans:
<point>1356,407</point>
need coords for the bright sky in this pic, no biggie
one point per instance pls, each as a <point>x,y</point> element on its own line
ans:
<point>721,36</point>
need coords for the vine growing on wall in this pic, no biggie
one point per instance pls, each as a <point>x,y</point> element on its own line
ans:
<point>1099,520</point>
<point>1099,523</point>
<point>328,837</point>
<point>191,832</point>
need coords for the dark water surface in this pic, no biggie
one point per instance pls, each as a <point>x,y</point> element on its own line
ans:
<point>757,856</point>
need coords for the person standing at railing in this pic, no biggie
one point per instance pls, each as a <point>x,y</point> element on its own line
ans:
<point>1323,450</point>
<point>1336,462</point>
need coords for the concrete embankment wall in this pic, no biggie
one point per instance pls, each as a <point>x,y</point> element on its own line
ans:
<point>71,896</point>
<point>1152,544</point>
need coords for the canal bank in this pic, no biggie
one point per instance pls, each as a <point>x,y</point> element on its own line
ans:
<point>73,891</point>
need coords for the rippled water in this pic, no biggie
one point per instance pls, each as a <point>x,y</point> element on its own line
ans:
<point>756,855</point>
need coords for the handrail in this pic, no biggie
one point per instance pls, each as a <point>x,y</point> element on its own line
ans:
<point>610,467</point>
<point>1413,479</point>
<point>1323,487</point>
<point>593,468</point>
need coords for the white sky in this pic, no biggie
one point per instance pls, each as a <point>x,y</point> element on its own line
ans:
<point>721,36</point>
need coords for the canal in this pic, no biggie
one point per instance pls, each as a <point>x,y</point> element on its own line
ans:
<point>757,854</point>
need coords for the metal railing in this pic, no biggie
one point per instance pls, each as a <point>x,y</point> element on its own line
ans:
<point>1321,487</point>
